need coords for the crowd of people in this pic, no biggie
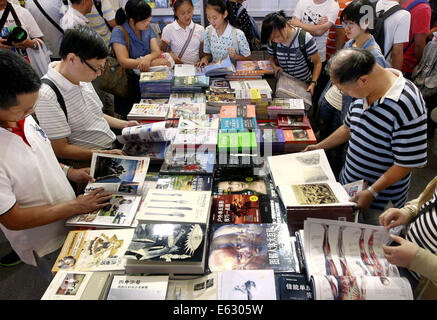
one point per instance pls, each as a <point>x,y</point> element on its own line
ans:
<point>356,57</point>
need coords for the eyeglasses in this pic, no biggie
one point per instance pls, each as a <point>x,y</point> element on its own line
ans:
<point>348,24</point>
<point>100,68</point>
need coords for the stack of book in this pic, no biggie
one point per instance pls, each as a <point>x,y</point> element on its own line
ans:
<point>308,188</point>
<point>285,107</point>
<point>178,110</point>
<point>156,84</point>
<point>191,84</point>
<point>248,70</point>
<point>179,98</point>
<point>154,112</point>
<point>272,141</point>
<point>298,132</point>
<point>188,161</point>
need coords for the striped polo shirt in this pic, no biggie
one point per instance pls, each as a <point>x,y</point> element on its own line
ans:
<point>86,126</point>
<point>96,21</point>
<point>391,131</point>
<point>291,59</point>
<point>423,230</point>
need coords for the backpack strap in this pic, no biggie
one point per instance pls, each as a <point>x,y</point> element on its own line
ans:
<point>240,10</point>
<point>48,17</point>
<point>61,101</point>
<point>409,8</point>
<point>98,5</point>
<point>9,9</point>
<point>301,39</point>
<point>234,40</point>
<point>383,15</point>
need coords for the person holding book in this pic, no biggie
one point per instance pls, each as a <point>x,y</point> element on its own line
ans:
<point>183,38</point>
<point>385,129</point>
<point>222,38</point>
<point>35,195</point>
<point>334,105</point>
<point>139,52</point>
<point>416,253</point>
<point>291,49</point>
<point>77,126</point>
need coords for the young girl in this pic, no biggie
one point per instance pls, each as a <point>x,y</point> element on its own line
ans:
<point>183,39</point>
<point>285,52</point>
<point>221,38</point>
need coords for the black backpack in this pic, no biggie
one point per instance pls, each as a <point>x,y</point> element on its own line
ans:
<point>378,30</point>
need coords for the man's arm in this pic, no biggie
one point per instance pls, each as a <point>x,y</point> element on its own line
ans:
<point>64,150</point>
<point>19,218</point>
<point>115,123</point>
<point>397,56</point>
<point>419,45</point>
<point>317,69</point>
<point>395,173</point>
<point>315,30</point>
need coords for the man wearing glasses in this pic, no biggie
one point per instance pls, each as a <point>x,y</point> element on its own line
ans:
<point>83,128</point>
<point>385,129</point>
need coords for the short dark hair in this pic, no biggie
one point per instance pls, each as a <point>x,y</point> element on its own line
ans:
<point>348,65</point>
<point>178,3</point>
<point>138,10</point>
<point>221,6</point>
<point>84,42</point>
<point>354,13</point>
<point>17,77</point>
<point>273,21</point>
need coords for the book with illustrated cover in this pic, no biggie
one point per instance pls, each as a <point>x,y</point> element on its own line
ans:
<point>185,182</point>
<point>200,288</point>
<point>354,187</point>
<point>152,150</point>
<point>150,132</point>
<point>247,285</point>
<point>260,67</point>
<point>272,140</point>
<point>94,250</point>
<point>188,82</point>
<point>168,248</point>
<point>219,84</point>
<point>175,206</point>
<point>195,138</point>
<point>236,209</point>
<point>184,70</point>
<point>250,246</point>
<point>176,111</point>
<point>207,121</point>
<point>293,121</point>
<point>298,139</point>
<point>129,287</point>
<point>220,98</point>
<point>156,77</point>
<point>219,68</point>
<point>188,97</point>
<point>345,261</point>
<point>180,161</point>
<point>148,112</point>
<point>294,107</point>
<point>234,111</point>
<point>72,285</point>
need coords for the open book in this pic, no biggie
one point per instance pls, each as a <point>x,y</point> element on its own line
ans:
<point>345,261</point>
<point>291,87</point>
<point>219,68</point>
<point>124,177</point>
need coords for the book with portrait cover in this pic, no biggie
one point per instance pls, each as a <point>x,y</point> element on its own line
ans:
<point>236,208</point>
<point>94,250</point>
<point>250,246</point>
<point>168,248</point>
<point>345,261</point>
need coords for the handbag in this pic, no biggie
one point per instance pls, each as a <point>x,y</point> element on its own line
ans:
<point>115,79</point>
<point>39,59</point>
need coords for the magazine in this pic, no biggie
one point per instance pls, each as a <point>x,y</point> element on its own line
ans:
<point>345,261</point>
<point>141,111</point>
<point>94,250</point>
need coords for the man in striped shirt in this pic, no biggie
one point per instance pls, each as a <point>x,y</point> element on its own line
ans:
<point>82,128</point>
<point>385,128</point>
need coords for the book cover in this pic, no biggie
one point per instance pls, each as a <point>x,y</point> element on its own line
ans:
<point>153,150</point>
<point>70,285</point>
<point>191,81</point>
<point>119,213</point>
<point>259,67</point>
<point>169,206</point>
<point>207,121</point>
<point>219,84</point>
<point>247,285</point>
<point>294,121</point>
<point>300,136</point>
<point>93,250</point>
<point>293,107</point>
<point>188,162</point>
<point>195,138</point>
<point>177,111</point>
<point>250,246</point>
<point>293,286</point>
<point>185,182</point>
<point>200,288</point>
<point>148,112</point>
<point>219,68</point>
<point>178,248</point>
<point>160,76</point>
<point>128,287</point>
<point>267,124</point>
<point>233,111</point>
<point>236,209</point>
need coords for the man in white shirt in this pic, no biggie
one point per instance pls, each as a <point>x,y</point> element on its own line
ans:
<point>76,14</point>
<point>82,129</point>
<point>35,195</point>
<point>316,17</point>
<point>52,35</point>
<point>97,22</point>
<point>396,33</point>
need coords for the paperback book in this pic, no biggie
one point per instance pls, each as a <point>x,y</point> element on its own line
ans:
<point>345,261</point>
<point>195,138</point>
<point>297,140</point>
<point>148,112</point>
<point>293,107</point>
<point>175,206</point>
<point>188,97</point>
<point>179,161</point>
<point>185,182</point>
<point>200,288</point>
<point>177,111</point>
<point>94,250</point>
<point>293,121</point>
<point>129,287</point>
<point>293,286</point>
<point>250,246</point>
<point>219,68</point>
<point>172,248</point>
<point>260,67</point>
<point>238,124</point>
<point>291,87</point>
<point>234,111</point>
<point>196,121</point>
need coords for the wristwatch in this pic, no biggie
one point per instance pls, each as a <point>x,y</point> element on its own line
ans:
<point>315,82</point>
<point>373,192</point>
<point>65,169</point>
<point>35,44</point>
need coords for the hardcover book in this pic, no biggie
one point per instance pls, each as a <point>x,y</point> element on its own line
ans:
<point>185,182</point>
<point>293,121</point>
<point>345,261</point>
<point>94,250</point>
<point>293,286</point>
<point>294,107</point>
<point>172,248</point>
<point>297,140</point>
<point>236,209</point>
<point>170,206</point>
<point>250,246</point>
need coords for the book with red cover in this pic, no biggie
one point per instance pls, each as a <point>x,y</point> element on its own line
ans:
<point>234,111</point>
<point>293,121</point>
<point>300,136</point>
<point>236,209</point>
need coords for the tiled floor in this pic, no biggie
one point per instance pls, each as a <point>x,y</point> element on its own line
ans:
<point>24,282</point>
